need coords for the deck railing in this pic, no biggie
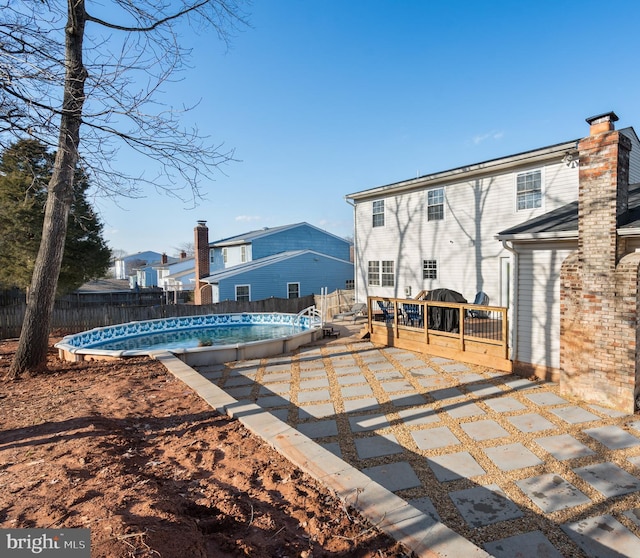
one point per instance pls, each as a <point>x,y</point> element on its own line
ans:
<point>467,332</point>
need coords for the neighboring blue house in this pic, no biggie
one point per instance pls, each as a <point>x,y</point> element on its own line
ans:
<point>283,262</point>
<point>290,274</point>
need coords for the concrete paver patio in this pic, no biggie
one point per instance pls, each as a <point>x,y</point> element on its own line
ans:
<point>507,463</point>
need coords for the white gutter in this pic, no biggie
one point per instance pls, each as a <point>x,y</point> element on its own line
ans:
<point>355,246</point>
<point>514,305</point>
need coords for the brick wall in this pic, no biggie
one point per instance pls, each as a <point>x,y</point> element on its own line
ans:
<point>599,283</point>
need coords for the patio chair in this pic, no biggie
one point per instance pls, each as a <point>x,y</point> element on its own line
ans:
<point>413,315</point>
<point>356,310</point>
<point>386,314</point>
<point>482,299</point>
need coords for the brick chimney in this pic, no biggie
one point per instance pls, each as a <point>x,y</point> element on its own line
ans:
<point>164,259</point>
<point>599,281</point>
<point>202,292</point>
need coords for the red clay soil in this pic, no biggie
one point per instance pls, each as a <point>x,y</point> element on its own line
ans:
<point>125,449</point>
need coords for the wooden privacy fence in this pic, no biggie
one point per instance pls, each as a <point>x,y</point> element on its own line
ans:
<point>335,302</point>
<point>73,320</point>
<point>465,332</point>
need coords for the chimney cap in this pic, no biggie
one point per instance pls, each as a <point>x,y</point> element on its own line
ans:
<point>604,117</point>
<point>202,223</point>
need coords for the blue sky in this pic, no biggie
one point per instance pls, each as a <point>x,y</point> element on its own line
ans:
<point>322,98</point>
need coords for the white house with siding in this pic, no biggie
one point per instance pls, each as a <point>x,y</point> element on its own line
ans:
<point>440,231</point>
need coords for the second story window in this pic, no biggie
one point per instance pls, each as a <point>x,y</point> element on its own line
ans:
<point>378,213</point>
<point>224,255</point>
<point>529,190</point>
<point>435,204</point>
<point>243,254</point>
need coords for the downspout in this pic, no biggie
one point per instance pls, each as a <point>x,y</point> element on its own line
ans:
<point>514,298</point>
<point>355,244</point>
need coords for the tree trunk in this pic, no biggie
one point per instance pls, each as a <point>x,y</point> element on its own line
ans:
<point>31,354</point>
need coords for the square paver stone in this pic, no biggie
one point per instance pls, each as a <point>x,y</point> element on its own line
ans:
<point>526,545</point>
<point>393,476</point>
<point>484,505</point>
<point>417,416</point>
<point>603,537</point>
<point>380,366</point>
<point>504,404</point>
<point>552,493</point>
<point>351,380</point>
<point>635,460</point>
<point>484,390</point>
<point>633,515</point>
<point>377,445</point>
<point>463,409</point>
<point>316,411</point>
<point>453,466</point>
<point>434,382</point>
<point>398,385</point>
<point>313,396</point>
<point>574,414</point>
<point>356,391</point>
<point>334,448</point>
<point>406,399</point>
<point>422,371</point>
<point>455,367</point>
<point>512,456</point>
<point>564,446</point>
<point>367,423</point>
<point>273,401</point>
<point>361,405</point>
<point>635,425</point>
<point>425,505</point>
<point>434,438</point>
<point>545,398</point>
<point>314,383</point>
<point>319,429</point>
<point>608,479</point>
<point>613,437</point>
<point>468,378</point>
<point>446,393</point>
<point>484,430</point>
<point>531,422</point>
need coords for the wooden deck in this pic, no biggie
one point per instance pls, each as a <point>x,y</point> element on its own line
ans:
<point>464,332</point>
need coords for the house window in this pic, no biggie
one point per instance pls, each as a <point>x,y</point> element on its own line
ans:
<point>243,293</point>
<point>243,254</point>
<point>388,277</point>
<point>293,290</point>
<point>350,285</point>
<point>374,273</point>
<point>378,213</point>
<point>212,256</point>
<point>429,269</point>
<point>225,255</point>
<point>529,190</point>
<point>435,204</point>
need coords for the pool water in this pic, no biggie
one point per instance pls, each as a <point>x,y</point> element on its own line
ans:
<point>201,337</point>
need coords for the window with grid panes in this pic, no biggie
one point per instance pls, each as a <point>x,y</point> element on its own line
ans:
<point>378,213</point>
<point>429,269</point>
<point>435,204</point>
<point>373,273</point>
<point>388,277</point>
<point>529,190</point>
<point>242,293</point>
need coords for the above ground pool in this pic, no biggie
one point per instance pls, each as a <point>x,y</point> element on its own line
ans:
<point>198,340</point>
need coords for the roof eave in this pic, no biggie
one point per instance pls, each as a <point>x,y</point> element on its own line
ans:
<point>533,237</point>
<point>504,163</point>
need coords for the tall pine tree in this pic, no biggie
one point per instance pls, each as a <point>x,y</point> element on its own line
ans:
<point>25,171</point>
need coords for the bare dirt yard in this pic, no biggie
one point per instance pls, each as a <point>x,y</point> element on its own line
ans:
<point>125,449</point>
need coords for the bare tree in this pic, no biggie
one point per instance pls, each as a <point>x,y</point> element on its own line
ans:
<point>70,74</point>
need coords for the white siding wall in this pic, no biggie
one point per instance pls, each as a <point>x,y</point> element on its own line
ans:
<point>463,242</point>
<point>538,307</point>
<point>234,255</point>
